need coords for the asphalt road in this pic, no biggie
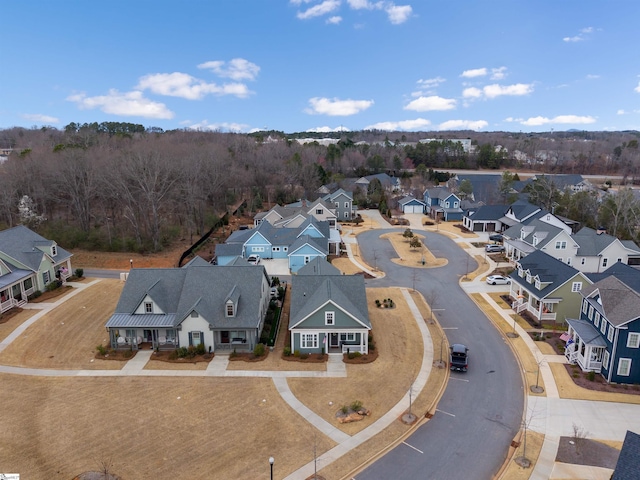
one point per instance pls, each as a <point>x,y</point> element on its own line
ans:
<point>481,410</point>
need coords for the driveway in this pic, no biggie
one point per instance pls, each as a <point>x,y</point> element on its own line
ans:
<point>481,410</point>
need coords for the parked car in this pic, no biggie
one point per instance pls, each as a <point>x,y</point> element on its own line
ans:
<point>493,248</point>
<point>253,259</point>
<point>273,293</point>
<point>498,280</point>
<point>496,237</point>
<point>459,357</point>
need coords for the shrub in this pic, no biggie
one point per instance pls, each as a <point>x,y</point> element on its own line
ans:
<point>356,405</point>
<point>101,350</point>
<point>353,355</point>
<point>127,354</point>
<point>79,272</point>
<point>591,376</point>
<point>575,375</point>
<point>372,346</point>
<point>200,349</point>
<point>173,355</point>
<point>304,356</point>
<point>34,295</point>
<point>234,354</point>
<point>287,351</point>
<point>296,354</point>
<point>191,351</point>
<point>53,285</point>
<point>258,350</point>
<point>378,303</point>
<point>182,352</point>
<point>344,409</point>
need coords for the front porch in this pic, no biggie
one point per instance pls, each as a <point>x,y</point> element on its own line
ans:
<point>585,346</point>
<point>540,310</point>
<point>347,342</point>
<point>15,292</point>
<point>138,339</point>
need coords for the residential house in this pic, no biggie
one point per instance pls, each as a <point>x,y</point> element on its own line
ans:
<point>342,201</point>
<point>411,205</point>
<point>628,464</point>
<point>546,288</point>
<point>293,214</point>
<point>484,187</point>
<point>538,234</point>
<point>442,204</point>
<point>298,245</point>
<point>329,311</point>
<point>486,218</point>
<point>597,251</point>
<point>28,263</point>
<point>606,336</point>
<point>565,182</point>
<point>222,307</point>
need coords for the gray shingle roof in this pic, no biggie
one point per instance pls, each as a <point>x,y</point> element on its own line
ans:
<point>178,291</point>
<point>629,275</point>
<point>310,292</point>
<point>21,244</point>
<point>628,464</point>
<point>620,304</point>
<point>548,269</point>
<point>319,266</point>
<point>544,232</point>
<point>489,212</point>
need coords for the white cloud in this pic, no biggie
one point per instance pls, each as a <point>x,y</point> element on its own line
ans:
<point>472,92</point>
<point>236,69</point>
<point>128,104</point>
<point>560,119</point>
<point>637,89</point>
<point>431,82</point>
<point>498,73</point>
<point>463,125</point>
<point>592,77</point>
<point>584,32</point>
<point>434,102</point>
<point>38,117</point>
<point>518,89</point>
<point>326,129</point>
<point>336,107</point>
<point>475,72</point>
<point>334,20</point>
<point>327,6</point>
<point>407,125</point>
<point>398,13</point>
<point>221,126</point>
<point>184,85</point>
<point>360,4</point>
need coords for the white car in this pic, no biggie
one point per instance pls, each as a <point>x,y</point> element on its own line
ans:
<point>498,280</point>
<point>253,259</point>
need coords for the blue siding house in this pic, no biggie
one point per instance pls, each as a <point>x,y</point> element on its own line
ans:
<point>606,337</point>
<point>442,204</point>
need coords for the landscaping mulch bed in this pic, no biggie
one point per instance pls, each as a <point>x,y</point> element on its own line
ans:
<point>307,358</point>
<point>8,315</point>
<point>598,383</point>
<point>368,358</point>
<point>48,295</point>
<point>582,451</point>
<point>248,356</point>
<point>552,339</point>
<point>165,356</point>
<point>117,355</point>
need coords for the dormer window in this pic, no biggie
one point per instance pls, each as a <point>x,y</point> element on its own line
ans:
<point>148,307</point>
<point>231,311</point>
<point>319,211</point>
<point>54,250</point>
<point>520,272</point>
<point>329,318</point>
<point>538,284</point>
<point>528,278</point>
<point>522,234</point>
<point>535,240</point>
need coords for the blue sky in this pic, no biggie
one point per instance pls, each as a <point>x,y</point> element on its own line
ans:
<point>322,65</point>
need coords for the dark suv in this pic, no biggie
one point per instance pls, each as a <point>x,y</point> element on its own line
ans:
<point>496,237</point>
<point>459,357</point>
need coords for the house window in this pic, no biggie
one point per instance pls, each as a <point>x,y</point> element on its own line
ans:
<point>605,360</point>
<point>284,249</point>
<point>576,286</point>
<point>520,272</point>
<point>337,204</point>
<point>348,337</point>
<point>275,249</point>
<point>446,205</point>
<point>194,314</point>
<point>619,260</point>
<point>346,204</point>
<point>170,335</point>
<point>54,250</point>
<point>596,321</point>
<point>535,241</point>
<point>538,283</point>
<point>582,261</point>
<point>28,283</point>
<point>230,310</point>
<point>307,259</point>
<point>257,249</point>
<point>603,326</point>
<point>561,245</point>
<point>528,277</point>
<point>455,204</point>
<point>624,367</point>
<point>584,306</point>
<point>633,340</point>
<point>610,333</point>
<point>329,318</point>
<point>319,211</point>
<point>590,315</point>
<point>238,336</point>
<point>148,307</point>
<point>309,340</point>
<point>46,277</point>
<point>346,214</point>
<point>130,335</point>
<point>605,261</point>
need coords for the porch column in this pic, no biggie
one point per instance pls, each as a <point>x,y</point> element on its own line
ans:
<point>366,340</point>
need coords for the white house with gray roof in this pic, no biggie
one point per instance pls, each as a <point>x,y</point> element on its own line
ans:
<point>329,311</point>
<point>222,307</point>
<point>28,263</point>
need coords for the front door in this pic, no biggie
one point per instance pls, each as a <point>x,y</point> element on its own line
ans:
<point>334,340</point>
<point>146,336</point>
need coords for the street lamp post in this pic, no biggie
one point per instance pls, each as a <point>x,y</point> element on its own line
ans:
<point>271,460</point>
<point>131,263</point>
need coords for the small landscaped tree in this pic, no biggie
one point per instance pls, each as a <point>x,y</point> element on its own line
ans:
<point>415,243</point>
<point>408,234</point>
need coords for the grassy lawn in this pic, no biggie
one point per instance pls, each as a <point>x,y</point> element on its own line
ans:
<point>568,389</point>
<point>10,320</point>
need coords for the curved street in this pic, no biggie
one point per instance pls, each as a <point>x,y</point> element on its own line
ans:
<point>481,410</point>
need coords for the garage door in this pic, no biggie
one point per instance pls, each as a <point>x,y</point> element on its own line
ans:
<point>412,209</point>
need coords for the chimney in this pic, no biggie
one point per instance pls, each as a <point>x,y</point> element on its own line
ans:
<point>600,230</point>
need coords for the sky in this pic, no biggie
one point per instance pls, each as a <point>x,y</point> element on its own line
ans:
<point>322,65</point>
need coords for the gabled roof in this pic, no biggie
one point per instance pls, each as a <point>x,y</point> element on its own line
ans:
<point>551,272</point>
<point>22,245</point>
<point>409,199</point>
<point>628,464</point>
<point>320,244</point>
<point>629,275</point>
<point>563,180</point>
<point>319,266</point>
<point>543,231</point>
<point>196,261</point>
<point>205,289</point>
<point>438,192</point>
<point>522,210</point>
<point>620,303</point>
<point>592,243</point>
<point>331,197</point>
<point>311,292</point>
<point>488,213</point>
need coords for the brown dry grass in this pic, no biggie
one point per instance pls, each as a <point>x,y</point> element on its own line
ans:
<point>66,337</point>
<point>368,224</point>
<point>346,266</point>
<point>496,298</point>
<point>483,265</point>
<point>545,348</point>
<point>400,354</point>
<point>412,257</point>
<point>568,389</point>
<point>160,428</point>
<point>14,322</point>
<point>450,227</point>
<point>120,260</point>
<point>534,445</point>
<point>527,360</point>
